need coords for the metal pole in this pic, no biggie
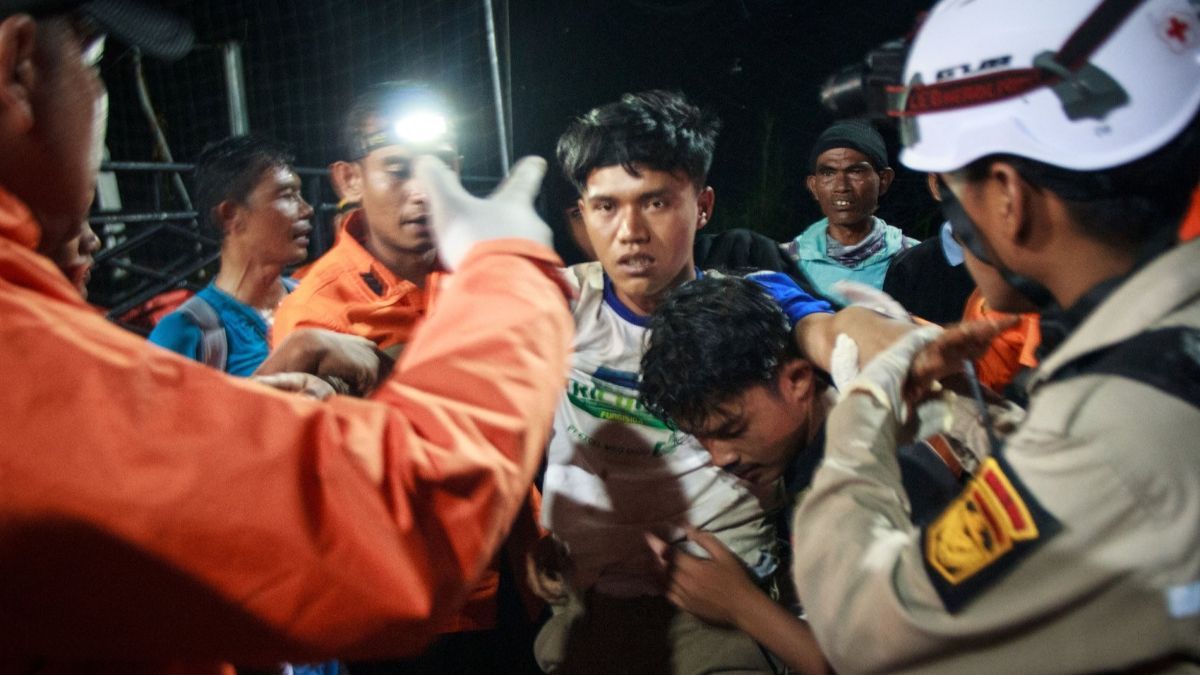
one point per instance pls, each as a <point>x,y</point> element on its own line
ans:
<point>160,139</point>
<point>321,239</point>
<point>235,88</point>
<point>508,109</point>
<point>497,93</point>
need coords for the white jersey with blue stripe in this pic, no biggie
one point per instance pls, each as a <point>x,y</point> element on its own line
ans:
<point>615,471</point>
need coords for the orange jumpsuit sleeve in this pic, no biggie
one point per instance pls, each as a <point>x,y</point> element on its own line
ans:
<point>156,509</point>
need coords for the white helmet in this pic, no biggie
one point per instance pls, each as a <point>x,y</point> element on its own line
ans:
<point>1079,84</point>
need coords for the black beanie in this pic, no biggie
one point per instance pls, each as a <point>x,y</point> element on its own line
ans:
<point>853,134</point>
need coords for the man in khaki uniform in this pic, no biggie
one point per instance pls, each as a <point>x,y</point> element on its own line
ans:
<point>1068,162</point>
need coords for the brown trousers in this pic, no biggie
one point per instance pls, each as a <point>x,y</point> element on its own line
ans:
<point>604,634</point>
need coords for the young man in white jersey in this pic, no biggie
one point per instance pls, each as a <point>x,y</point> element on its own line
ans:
<point>615,471</point>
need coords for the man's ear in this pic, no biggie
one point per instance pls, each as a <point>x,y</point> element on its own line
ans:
<point>796,380</point>
<point>228,214</point>
<point>18,76</point>
<point>811,184</point>
<point>935,190</point>
<point>347,180</point>
<point>705,201</point>
<point>886,176</point>
<point>1011,197</point>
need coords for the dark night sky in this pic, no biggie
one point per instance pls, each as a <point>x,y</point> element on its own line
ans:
<point>758,63</point>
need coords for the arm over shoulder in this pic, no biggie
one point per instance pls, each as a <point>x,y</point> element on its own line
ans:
<point>263,526</point>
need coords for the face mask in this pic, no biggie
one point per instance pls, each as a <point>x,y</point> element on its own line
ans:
<point>963,229</point>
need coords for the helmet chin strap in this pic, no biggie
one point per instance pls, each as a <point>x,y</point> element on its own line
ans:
<point>1036,293</point>
<point>967,233</point>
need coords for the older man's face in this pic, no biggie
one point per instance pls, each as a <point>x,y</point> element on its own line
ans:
<point>847,187</point>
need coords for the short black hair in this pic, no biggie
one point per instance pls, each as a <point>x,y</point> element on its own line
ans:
<point>1136,203</point>
<point>712,339</point>
<point>230,168</point>
<point>382,99</point>
<point>658,129</point>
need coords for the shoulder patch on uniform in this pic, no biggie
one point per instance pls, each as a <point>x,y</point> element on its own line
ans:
<point>994,523</point>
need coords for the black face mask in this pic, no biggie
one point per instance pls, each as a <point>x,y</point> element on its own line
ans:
<point>962,227</point>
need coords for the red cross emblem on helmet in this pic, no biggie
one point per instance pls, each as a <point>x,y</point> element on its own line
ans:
<point>1179,30</point>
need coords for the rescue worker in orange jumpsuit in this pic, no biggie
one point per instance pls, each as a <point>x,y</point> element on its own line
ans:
<point>157,511</point>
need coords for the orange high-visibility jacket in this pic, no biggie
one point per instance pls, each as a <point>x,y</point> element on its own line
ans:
<point>155,509</point>
<point>1011,350</point>
<point>347,290</point>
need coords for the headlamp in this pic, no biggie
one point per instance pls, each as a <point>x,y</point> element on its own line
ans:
<point>1083,89</point>
<point>422,127</point>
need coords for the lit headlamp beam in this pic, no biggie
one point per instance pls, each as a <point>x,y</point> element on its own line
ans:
<point>421,127</point>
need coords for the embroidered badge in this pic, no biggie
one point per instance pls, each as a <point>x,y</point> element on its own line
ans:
<point>993,523</point>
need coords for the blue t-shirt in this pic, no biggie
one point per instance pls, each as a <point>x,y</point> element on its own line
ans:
<point>245,331</point>
<point>796,303</point>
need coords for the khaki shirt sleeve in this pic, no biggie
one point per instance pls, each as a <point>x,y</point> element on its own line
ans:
<point>1082,586</point>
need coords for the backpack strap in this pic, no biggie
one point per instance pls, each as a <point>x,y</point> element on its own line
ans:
<point>214,346</point>
<point>1167,359</point>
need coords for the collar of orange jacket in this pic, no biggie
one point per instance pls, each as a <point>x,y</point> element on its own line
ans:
<point>16,221</point>
<point>20,263</point>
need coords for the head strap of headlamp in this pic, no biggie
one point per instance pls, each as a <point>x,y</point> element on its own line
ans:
<point>1084,90</point>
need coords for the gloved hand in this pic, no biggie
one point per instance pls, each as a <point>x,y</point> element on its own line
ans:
<point>884,377</point>
<point>305,384</point>
<point>460,221</point>
<point>843,367</point>
<point>547,567</point>
<point>872,298</point>
<point>932,414</point>
<point>843,363</point>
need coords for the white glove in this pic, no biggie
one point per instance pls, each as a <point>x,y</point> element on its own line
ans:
<point>843,367</point>
<point>862,295</point>
<point>843,362</point>
<point>460,221</point>
<point>884,377</point>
